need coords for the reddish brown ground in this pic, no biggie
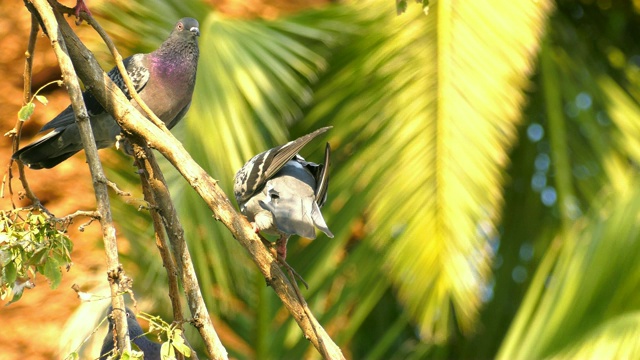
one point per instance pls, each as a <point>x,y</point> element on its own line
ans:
<point>31,327</point>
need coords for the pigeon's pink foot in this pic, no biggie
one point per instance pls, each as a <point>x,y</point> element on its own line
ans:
<point>81,7</point>
<point>281,247</point>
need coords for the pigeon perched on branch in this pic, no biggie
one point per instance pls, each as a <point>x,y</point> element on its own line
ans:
<point>151,350</point>
<point>281,193</point>
<point>165,80</point>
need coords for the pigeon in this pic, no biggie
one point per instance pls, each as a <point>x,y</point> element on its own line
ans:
<point>281,193</point>
<point>150,349</point>
<point>165,80</point>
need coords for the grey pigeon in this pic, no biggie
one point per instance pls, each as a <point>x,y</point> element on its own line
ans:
<point>165,80</point>
<point>281,193</point>
<point>150,349</point>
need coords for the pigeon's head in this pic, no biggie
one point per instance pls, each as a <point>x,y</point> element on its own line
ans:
<point>187,27</point>
<point>131,320</point>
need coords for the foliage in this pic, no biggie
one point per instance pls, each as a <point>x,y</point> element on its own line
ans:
<point>27,110</point>
<point>467,225</point>
<point>175,341</point>
<point>577,305</point>
<point>30,243</point>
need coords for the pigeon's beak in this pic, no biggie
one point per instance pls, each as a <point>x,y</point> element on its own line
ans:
<point>195,30</point>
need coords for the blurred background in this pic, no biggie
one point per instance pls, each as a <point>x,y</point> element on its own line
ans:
<point>484,191</point>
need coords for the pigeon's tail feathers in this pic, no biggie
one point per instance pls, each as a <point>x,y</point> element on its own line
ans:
<point>323,178</point>
<point>65,118</point>
<point>45,153</point>
<point>318,220</point>
<point>282,154</point>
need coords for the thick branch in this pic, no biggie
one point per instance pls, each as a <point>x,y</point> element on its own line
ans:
<point>116,103</point>
<point>97,175</point>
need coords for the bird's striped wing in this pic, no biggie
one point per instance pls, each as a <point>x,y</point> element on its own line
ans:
<point>139,75</point>
<point>255,173</point>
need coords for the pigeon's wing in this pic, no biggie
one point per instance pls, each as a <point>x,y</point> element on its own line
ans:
<point>179,117</point>
<point>257,171</point>
<point>137,70</point>
<point>139,75</point>
<point>280,155</point>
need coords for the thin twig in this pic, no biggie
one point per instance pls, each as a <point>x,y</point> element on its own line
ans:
<point>117,104</point>
<point>17,129</point>
<point>115,274</point>
<point>115,187</point>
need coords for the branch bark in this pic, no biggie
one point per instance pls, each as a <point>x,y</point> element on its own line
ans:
<point>114,101</point>
<point>156,192</point>
<point>115,272</point>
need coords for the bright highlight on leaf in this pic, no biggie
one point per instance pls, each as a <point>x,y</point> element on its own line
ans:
<point>42,99</point>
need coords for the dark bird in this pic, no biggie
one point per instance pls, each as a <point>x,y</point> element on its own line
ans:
<point>281,193</point>
<point>165,80</point>
<point>150,349</point>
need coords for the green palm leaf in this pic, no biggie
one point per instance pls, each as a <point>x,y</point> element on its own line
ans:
<point>579,302</point>
<point>431,118</point>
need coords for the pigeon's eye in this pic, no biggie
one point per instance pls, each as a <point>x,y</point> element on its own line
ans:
<point>180,26</point>
<point>274,196</point>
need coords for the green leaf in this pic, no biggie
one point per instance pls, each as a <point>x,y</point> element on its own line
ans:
<point>401,6</point>
<point>10,273</point>
<point>178,343</point>
<point>167,352</point>
<point>38,257</point>
<point>42,99</point>
<point>18,289</point>
<point>52,272</point>
<point>5,257</point>
<point>16,296</point>
<point>72,356</point>
<point>26,111</point>
<point>132,355</point>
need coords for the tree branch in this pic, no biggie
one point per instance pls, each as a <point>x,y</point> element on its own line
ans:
<point>134,123</point>
<point>159,195</point>
<point>115,272</point>
<point>16,132</point>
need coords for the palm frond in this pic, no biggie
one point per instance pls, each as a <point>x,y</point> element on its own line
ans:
<point>430,124</point>
<point>578,300</point>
